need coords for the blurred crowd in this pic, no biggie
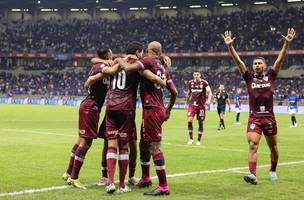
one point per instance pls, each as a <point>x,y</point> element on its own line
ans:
<point>71,83</point>
<point>253,30</point>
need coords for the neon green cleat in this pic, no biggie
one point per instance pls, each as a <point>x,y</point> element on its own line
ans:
<point>76,183</point>
<point>65,176</point>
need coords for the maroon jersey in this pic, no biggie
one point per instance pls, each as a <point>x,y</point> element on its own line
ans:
<point>260,90</point>
<point>98,91</point>
<point>197,92</point>
<point>151,94</point>
<point>123,90</point>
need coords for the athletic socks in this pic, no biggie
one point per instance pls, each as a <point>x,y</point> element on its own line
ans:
<point>132,165</point>
<point>223,123</point>
<point>190,130</point>
<point>72,157</point>
<point>111,163</point>
<point>159,162</point>
<point>145,163</point>
<point>123,162</point>
<point>104,169</point>
<point>293,120</point>
<point>78,161</point>
<point>252,167</point>
<point>238,117</point>
<point>200,131</point>
<point>273,166</point>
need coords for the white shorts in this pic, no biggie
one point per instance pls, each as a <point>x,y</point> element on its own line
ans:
<point>292,111</point>
<point>237,110</point>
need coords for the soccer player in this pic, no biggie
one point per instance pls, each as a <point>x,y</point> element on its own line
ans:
<point>120,116</point>
<point>260,87</point>
<point>237,103</point>
<point>197,104</point>
<point>154,114</point>
<point>89,112</point>
<point>222,99</point>
<point>293,108</point>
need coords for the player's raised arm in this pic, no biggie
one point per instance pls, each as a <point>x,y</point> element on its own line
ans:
<point>127,66</point>
<point>153,78</point>
<point>288,38</point>
<point>236,58</point>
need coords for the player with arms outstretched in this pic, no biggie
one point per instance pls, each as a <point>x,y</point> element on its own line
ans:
<point>260,87</point>
<point>197,104</point>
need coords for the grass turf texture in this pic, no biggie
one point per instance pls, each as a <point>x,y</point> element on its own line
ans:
<point>36,143</point>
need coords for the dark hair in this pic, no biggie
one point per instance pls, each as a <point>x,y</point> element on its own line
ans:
<point>134,46</point>
<point>260,58</point>
<point>197,70</point>
<point>102,52</point>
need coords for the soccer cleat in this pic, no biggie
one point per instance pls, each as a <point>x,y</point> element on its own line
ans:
<point>110,189</point>
<point>65,176</point>
<point>273,176</point>
<point>198,143</point>
<point>76,183</point>
<point>251,178</point>
<point>237,123</point>
<point>291,126</point>
<point>296,125</point>
<point>144,183</point>
<point>124,190</point>
<point>102,181</point>
<point>159,191</point>
<point>133,181</point>
<point>190,142</point>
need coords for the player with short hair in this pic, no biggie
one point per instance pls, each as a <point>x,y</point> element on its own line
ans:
<point>222,98</point>
<point>293,108</point>
<point>197,104</point>
<point>89,112</point>
<point>260,87</point>
<point>237,103</point>
<point>154,114</point>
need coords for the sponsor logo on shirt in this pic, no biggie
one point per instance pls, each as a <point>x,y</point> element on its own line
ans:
<point>252,126</point>
<point>81,131</point>
<point>260,85</point>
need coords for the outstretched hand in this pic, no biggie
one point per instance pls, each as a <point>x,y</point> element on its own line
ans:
<point>290,35</point>
<point>228,38</point>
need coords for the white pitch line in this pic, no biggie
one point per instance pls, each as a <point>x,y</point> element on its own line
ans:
<point>39,132</point>
<point>235,169</point>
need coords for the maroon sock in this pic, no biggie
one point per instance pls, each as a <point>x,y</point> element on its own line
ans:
<point>159,162</point>
<point>78,161</point>
<point>123,162</point>
<point>273,166</point>
<point>132,165</point>
<point>252,167</point>
<point>190,130</point>
<point>104,169</point>
<point>199,136</point>
<point>111,163</point>
<point>145,164</point>
<point>72,156</point>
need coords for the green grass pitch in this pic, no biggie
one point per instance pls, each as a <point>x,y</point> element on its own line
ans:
<point>35,143</point>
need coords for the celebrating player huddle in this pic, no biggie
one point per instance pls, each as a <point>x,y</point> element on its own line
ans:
<point>117,82</point>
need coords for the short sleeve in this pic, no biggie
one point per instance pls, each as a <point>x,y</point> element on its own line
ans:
<point>97,69</point>
<point>247,76</point>
<point>145,63</point>
<point>272,74</point>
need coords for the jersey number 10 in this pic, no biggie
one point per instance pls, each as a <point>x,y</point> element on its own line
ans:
<point>119,80</point>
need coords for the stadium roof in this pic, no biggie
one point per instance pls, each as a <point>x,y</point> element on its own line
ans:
<point>117,3</point>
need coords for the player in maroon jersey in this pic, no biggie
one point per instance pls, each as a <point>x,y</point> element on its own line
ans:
<point>260,87</point>
<point>120,116</point>
<point>197,104</point>
<point>154,114</point>
<point>89,112</point>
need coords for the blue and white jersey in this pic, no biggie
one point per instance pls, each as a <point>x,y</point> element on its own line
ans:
<point>293,102</point>
<point>237,100</point>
